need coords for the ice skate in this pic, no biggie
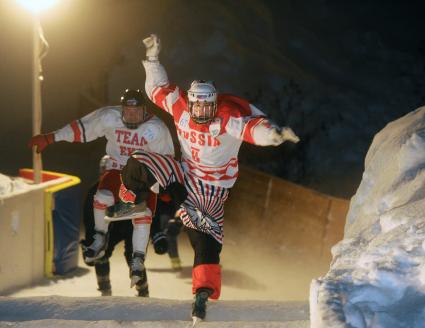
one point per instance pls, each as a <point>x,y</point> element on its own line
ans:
<point>137,269</point>
<point>97,248</point>
<point>199,306</point>
<point>84,248</point>
<point>142,287</point>
<point>105,288</point>
<point>104,285</point>
<point>126,211</point>
<point>176,264</point>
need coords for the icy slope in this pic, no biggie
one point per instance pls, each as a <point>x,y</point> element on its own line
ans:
<point>377,276</point>
<point>151,324</point>
<point>87,311</point>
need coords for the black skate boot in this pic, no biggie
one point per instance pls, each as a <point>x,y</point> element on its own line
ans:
<point>137,269</point>
<point>104,285</point>
<point>126,211</point>
<point>84,246</point>
<point>102,269</point>
<point>142,286</point>
<point>97,248</point>
<point>199,307</point>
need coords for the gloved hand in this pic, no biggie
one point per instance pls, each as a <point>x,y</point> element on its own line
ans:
<point>160,243</point>
<point>279,136</point>
<point>41,141</point>
<point>153,47</point>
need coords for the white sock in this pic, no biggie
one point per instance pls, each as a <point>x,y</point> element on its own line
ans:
<point>141,237</point>
<point>102,199</point>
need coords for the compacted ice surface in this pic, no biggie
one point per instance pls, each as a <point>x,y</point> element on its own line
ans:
<point>113,312</point>
<point>377,275</point>
<point>261,293</point>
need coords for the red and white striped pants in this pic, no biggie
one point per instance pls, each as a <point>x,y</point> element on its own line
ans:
<point>203,209</point>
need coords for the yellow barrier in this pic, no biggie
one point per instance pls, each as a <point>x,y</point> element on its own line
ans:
<point>48,208</point>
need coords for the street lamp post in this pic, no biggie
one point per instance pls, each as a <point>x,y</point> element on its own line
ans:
<point>36,98</point>
<point>39,52</point>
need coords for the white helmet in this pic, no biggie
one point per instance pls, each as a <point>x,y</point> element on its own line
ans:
<point>202,97</point>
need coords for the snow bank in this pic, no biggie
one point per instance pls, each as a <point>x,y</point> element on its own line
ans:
<point>10,185</point>
<point>85,311</point>
<point>377,276</point>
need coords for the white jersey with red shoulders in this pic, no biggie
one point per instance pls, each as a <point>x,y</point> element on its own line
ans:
<point>152,135</point>
<point>209,151</point>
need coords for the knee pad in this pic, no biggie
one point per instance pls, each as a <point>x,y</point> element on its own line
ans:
<point>102,199</point>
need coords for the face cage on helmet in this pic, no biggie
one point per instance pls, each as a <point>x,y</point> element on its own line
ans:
<point>134,125</point>
<point>205,117</point>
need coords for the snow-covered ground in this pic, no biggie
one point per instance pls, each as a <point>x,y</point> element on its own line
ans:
<point>249,272</point>
<point>260,289</point>
<point>57,309</point>
<point>377,276</point>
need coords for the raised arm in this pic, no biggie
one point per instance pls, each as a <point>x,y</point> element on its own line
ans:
<point>165,95</point>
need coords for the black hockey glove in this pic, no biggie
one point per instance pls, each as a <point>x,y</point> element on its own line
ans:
<point>160,243</point>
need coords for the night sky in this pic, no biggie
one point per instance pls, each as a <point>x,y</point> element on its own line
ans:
<point>335,71</point>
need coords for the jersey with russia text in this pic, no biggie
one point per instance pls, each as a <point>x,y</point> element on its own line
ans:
<point>210,151</point>
<point>152,135</point>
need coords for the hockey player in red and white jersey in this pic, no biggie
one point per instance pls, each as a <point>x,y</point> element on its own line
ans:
<point>211,128</point>
<point>127,128</point>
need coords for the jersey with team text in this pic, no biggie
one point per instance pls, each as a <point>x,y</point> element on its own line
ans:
<point>152,135</point>
<point>210,151</point>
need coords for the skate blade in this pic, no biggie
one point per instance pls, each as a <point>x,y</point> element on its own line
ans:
<point>91,260</point>
<point>196,321</point>
<point>126,217</point>
<point>134,281</point>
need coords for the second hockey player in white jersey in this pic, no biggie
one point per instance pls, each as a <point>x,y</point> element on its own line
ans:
<point>127,128</point>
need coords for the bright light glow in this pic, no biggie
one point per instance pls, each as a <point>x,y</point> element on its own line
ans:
<point>37,5</point>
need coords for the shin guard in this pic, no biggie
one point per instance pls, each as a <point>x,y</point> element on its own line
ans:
<point>141,230</point>
<point>207,276</point>
<point>102,199</point>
